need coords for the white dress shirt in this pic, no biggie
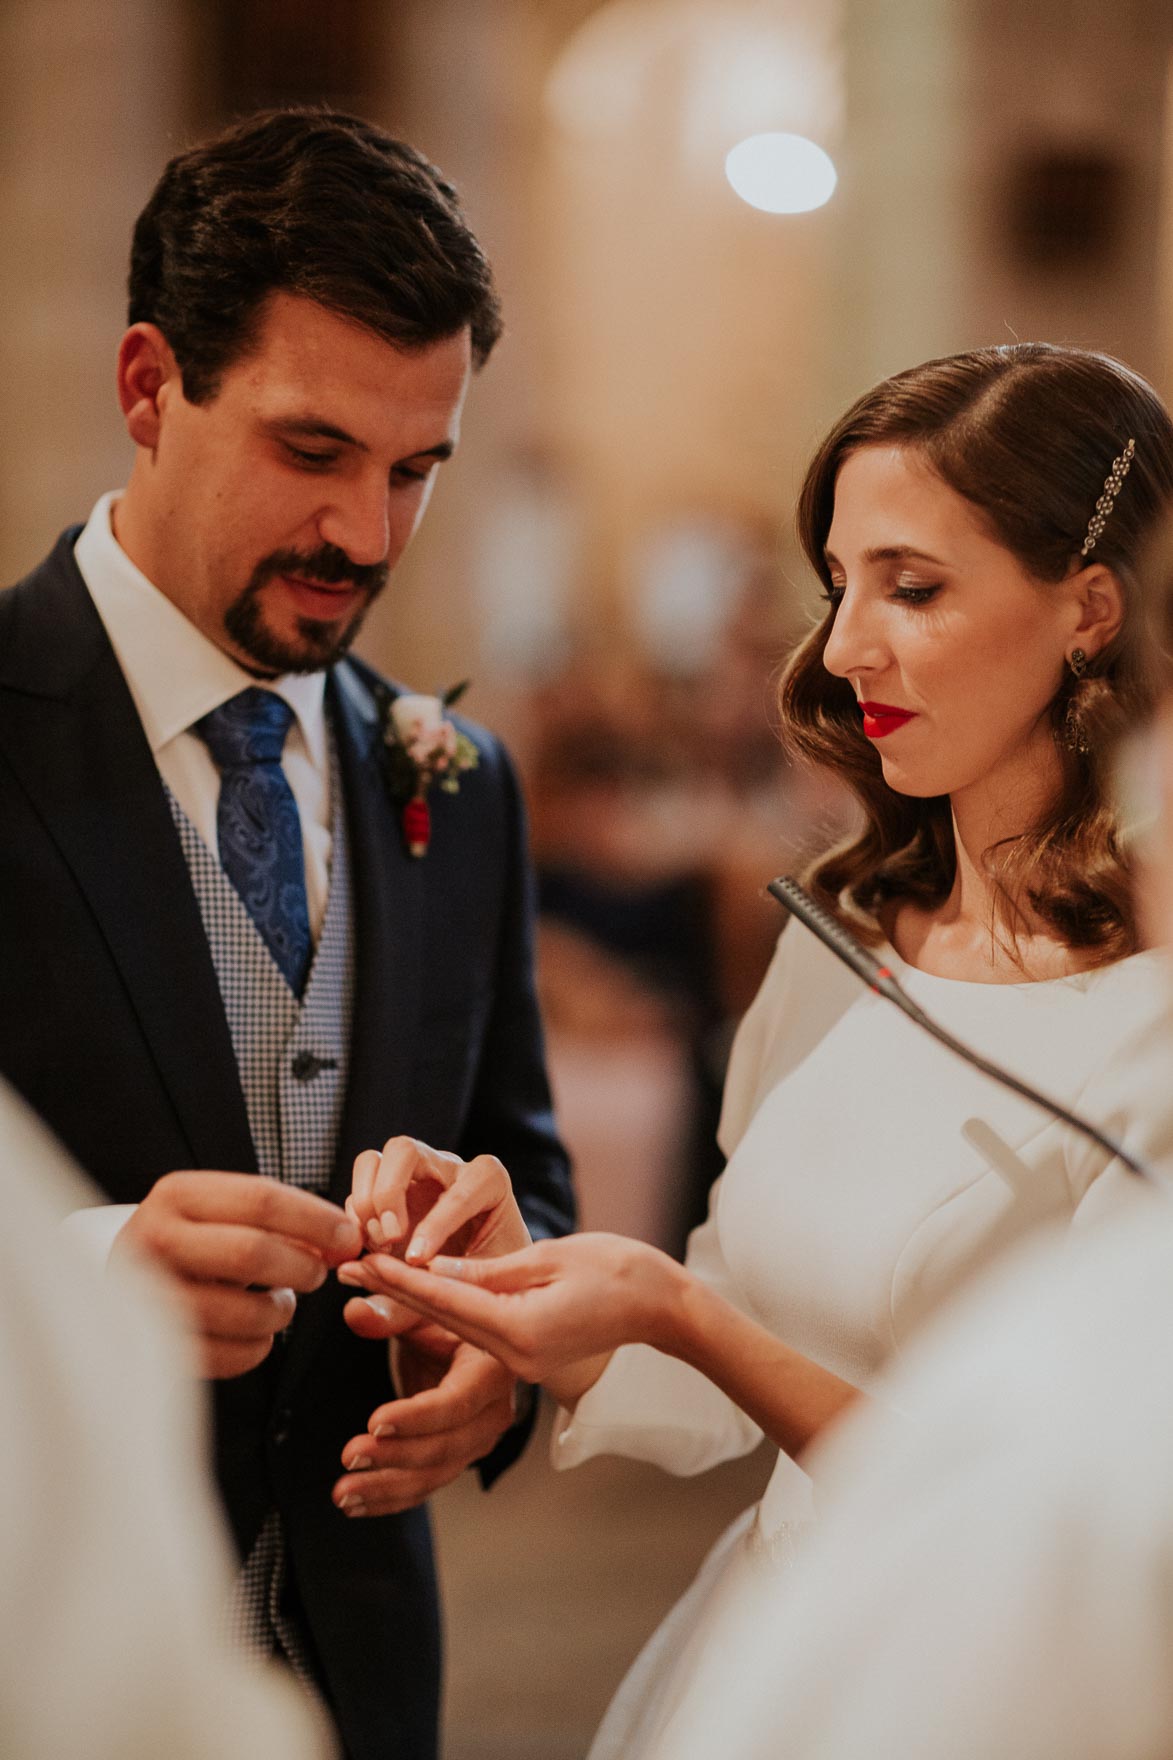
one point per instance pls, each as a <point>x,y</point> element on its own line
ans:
<point>176,675</point>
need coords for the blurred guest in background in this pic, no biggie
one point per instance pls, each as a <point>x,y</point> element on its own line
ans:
<point>660,796</point>
<point>976,523</point>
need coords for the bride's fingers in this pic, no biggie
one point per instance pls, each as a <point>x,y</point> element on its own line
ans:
<point>362,1182</point>
<point>529,1268</point>
<point>474,1314</point>
<point>480,1186</point>
<point>511,1274</point>
<point>399,1164</point>
<point>404,1161</point>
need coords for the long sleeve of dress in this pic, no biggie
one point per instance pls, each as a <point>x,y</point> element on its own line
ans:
<point>652,1407</point>
<point>649,1406</point>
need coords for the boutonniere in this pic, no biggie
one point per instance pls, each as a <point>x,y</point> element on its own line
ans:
<point>423,746</point>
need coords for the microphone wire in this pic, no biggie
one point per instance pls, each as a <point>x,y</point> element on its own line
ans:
<point>795,899</point>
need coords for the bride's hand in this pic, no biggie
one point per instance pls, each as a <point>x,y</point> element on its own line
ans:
<point>559,1303</point>
<point>413,1200</point>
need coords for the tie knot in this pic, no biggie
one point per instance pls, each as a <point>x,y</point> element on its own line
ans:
<point>248,729</point>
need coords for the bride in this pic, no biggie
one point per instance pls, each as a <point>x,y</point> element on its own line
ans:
<point>976,524</point>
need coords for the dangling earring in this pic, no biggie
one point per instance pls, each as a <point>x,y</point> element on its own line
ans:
<point>1074,732</point>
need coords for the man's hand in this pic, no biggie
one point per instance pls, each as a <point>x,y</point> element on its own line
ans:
<point>238,1249</point>
<point>457,1402</point>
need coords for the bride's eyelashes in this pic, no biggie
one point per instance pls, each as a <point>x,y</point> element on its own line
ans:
<point>916,594</point>
<point>904,592</point>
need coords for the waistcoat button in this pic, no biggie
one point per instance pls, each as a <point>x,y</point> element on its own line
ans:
<point>306,1066</point>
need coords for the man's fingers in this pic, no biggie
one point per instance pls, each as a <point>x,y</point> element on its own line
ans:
<point>221,1359</point>
<point>234,1253</point>
<point>390,1493</point>
<point>267,1204</point>
<point>240,1315</point>
<point>379,1317</point>
<point>472,1383</point>
<point>425,1453</point>
<point>406,1472</point>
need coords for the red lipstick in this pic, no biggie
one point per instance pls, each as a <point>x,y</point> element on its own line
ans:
<point>880,719</point>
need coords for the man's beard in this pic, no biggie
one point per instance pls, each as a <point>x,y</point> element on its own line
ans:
<point>318,644</point>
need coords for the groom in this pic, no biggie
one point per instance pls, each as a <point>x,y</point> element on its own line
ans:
<point>218,957</point>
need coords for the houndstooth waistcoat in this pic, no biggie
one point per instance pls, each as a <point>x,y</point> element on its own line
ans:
<point>292,1058</point>
<point>292,1055</point>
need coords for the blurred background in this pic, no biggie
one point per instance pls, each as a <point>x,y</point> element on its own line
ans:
<point>610,557</point>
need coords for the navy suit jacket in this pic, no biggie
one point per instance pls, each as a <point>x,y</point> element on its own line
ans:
<point>112,1027</point>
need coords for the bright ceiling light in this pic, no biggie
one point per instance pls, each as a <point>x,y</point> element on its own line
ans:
<point>781,173</point>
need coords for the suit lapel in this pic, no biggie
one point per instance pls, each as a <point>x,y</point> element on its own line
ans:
<point>388,902</point>
<point>70,731</point>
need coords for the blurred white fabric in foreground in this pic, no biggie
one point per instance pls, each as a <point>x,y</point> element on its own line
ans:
<point>993,1573</point>
<point>113,1566</point>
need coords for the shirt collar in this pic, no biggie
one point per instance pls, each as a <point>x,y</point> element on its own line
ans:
<point>174,672</point>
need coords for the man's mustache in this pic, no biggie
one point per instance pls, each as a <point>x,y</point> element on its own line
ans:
<point>327,564</point>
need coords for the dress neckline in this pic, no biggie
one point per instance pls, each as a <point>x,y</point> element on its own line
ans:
<point>1151,955</point>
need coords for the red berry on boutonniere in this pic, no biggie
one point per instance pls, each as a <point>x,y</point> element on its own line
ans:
<point>417,825</point>
<point>423,746</point>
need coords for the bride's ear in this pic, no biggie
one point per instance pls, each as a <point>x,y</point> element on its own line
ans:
<point>1099,607</point>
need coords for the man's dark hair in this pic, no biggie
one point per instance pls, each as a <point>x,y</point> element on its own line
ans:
<point>310,202</point>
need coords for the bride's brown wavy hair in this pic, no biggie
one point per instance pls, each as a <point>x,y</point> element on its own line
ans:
<point>1027,433</point>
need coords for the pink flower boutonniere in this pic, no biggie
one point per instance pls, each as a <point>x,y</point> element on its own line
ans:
<point>423,746</point>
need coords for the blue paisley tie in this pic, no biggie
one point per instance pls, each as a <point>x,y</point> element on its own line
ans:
<point>258,825</point>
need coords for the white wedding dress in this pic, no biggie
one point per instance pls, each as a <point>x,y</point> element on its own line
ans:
<point>870,1171</point>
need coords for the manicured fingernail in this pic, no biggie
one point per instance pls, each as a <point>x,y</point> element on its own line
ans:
<point>390,1225</point>
<point>448,1267</point>
<point>349,1274</point>
<point>383,1432</point>
<point>360,1464</point>
<point>375,1231</point>
<point>420,1247</point>
<point>383,1305</point>
<point>352,1506</point>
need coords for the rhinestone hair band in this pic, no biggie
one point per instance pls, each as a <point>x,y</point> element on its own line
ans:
<point>1104,506</point>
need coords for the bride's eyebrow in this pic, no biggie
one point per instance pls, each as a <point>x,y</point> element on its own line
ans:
<point>890,553</point>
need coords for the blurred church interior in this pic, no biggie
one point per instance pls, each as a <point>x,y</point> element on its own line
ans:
<point>610,557</point>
